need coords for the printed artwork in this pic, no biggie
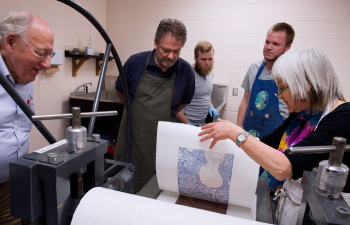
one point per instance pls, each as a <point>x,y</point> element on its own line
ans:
<point>204,174</point>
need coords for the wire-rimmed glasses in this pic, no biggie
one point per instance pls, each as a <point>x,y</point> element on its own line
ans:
<point>41,54</point>
<point>278,95</point>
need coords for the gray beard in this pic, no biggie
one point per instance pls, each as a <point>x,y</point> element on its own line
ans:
<point>161,61</point>
<point>200,70</point>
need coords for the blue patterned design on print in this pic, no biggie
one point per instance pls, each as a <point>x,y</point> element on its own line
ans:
<point>192,163</point>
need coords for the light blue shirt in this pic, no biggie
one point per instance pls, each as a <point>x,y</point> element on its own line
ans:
<point>14,124</point>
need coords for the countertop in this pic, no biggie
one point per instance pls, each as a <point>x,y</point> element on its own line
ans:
<point>106,96</point>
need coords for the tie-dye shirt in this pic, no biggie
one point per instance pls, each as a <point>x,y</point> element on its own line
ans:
<point>299,128</point>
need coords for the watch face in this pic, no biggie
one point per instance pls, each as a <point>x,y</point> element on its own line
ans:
<point>240,137</point>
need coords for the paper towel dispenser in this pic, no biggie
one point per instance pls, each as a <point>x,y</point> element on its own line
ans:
<point>219,96</point>
<point>57,59</point>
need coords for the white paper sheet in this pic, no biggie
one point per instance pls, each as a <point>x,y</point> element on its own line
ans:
<point>109,207</point>
<point>173,138</point>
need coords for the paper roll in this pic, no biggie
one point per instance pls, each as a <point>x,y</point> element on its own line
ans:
<point>107,207</point>
<point>225,172</point>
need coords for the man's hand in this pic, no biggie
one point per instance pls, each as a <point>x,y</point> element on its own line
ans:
<point>180,116</point>
<point>213,112</point>
<point>121,97</point>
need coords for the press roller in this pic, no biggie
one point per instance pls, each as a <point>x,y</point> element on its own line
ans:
<point>322,201</point>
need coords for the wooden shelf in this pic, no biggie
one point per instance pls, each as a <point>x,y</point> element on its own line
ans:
<point>79,60</point>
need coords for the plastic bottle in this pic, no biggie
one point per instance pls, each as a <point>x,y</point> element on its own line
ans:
<point>90,49</point>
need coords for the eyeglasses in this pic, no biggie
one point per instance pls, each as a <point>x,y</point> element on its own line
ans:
<point>278,95</point>
<point>41,54</point>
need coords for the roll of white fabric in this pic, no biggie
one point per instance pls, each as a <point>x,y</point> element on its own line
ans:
<point>107,207</point>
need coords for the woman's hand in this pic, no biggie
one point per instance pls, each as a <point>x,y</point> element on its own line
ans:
<point>221,130</point>
<point>272,160</point>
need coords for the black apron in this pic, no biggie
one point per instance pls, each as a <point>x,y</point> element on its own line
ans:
<point>152,103</point>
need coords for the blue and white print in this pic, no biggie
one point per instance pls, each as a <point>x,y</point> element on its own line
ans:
<point>204,174</point>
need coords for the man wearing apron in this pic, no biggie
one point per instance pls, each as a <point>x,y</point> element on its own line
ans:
<point>160,84</point>
<point>260,111</point>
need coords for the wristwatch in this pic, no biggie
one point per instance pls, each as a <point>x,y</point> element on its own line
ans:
<point>241,138</point>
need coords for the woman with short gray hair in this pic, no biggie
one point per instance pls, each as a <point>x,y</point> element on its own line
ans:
<point>318,112</point>
<point>309,73</point>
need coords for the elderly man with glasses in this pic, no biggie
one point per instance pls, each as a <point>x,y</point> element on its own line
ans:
<point>26,44</point>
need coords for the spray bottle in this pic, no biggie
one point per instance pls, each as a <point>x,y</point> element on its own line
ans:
<point>90,50</point>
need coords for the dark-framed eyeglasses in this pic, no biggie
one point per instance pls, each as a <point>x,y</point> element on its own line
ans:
<point>41,54</point>
<point>278,95</point>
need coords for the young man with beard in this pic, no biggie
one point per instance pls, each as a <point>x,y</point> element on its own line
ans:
<point>160,85</point>
<point>196,112</point>
<point>260,111</point>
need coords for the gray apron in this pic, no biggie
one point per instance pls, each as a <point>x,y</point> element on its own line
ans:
<point>152,103</point>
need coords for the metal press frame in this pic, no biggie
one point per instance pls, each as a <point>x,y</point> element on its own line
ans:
<point>110,48</point>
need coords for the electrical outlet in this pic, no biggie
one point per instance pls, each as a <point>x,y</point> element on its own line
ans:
<point>235,91</point>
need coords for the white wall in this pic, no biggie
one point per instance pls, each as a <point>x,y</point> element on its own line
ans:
<point>237,30</point>
<point>70,28</point>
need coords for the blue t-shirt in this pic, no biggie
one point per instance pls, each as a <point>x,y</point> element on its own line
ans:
<point>184,85</point>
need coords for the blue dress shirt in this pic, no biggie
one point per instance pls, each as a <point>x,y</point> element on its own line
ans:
<point>14,124</point>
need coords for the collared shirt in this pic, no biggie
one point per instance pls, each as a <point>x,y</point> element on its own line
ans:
<point>184,85</point>
<point>14,124</point>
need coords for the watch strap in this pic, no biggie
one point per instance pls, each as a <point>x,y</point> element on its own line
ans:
<point>246,134</point>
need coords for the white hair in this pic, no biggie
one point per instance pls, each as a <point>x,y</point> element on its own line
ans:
<point>309,74</point>
<point>15,22</point>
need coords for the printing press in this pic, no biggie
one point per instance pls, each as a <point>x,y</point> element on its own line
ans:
<point>322,202</point>
<point>48,184</point>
